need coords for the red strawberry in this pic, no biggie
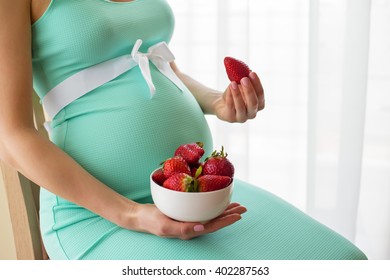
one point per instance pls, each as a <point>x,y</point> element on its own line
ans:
<point>218,164</point>
<point>191,152</point>
<point>158,176</point>
<point>181,182</point>
<point>208,183</point>
<point>175,165</point>
<point>236,69</point>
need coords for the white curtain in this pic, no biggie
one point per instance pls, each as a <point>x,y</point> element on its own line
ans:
<point>323,141</point>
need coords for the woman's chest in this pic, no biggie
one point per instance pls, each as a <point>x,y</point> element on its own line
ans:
<point>90,31</point>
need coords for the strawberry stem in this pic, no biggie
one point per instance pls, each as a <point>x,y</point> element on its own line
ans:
<point>198,172</point>
<point>221,153</point>
<point>200,144</point>
<point>196,186</point>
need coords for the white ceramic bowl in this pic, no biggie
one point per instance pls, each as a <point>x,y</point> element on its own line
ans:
<point>191,206</point>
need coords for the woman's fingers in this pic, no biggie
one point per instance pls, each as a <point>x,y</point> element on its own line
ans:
<point>186,231</point>
<point>247,98</point>
<point>221,222</point>
<point>250,97</point>
<point>239,103</point>
<point>228,97</point>
<point>234,208</point>
<point>231,215</point>
<point>232,205</point>
<point>258,87</point>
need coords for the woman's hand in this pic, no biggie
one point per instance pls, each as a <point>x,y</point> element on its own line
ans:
<point>151,220</point>
<point>240,102</point>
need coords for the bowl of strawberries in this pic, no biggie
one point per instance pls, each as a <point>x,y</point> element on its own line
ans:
<point>189,190</point>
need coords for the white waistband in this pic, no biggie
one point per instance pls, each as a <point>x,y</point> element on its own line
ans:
<point>88,79</point>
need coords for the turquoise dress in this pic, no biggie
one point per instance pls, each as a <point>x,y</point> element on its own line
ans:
<point>119,134</point>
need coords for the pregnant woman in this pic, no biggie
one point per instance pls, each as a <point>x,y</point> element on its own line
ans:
<point>118,105</point>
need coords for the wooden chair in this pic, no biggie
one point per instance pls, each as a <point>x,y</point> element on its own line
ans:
<point>23,201</point>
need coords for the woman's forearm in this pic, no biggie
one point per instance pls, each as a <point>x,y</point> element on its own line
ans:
<point>48,166</point>
<point>204,95</point>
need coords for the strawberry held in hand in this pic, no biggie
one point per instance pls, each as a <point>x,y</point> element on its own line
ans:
<point>218,164</point>
<point>236,69</point>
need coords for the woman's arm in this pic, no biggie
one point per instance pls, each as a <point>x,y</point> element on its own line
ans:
<point>44,163</point>
<point>238,103</point>
<point>21,146</point>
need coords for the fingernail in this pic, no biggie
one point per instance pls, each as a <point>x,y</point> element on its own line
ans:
<point>234,85</point>
<point>252,75</point>
<point>245,82</point>
<point>199,228</point>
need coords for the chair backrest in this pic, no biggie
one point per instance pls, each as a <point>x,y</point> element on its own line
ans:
<point>23,202</point>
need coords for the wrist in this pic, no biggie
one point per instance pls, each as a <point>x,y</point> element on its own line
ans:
<point>128,215</point>
<point>211,102</point>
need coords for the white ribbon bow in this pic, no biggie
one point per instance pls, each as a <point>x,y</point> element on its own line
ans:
<point>161,56</point>
<point>93,77</point>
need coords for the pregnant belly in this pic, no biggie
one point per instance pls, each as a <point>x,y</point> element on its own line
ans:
<point>122,138</point>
